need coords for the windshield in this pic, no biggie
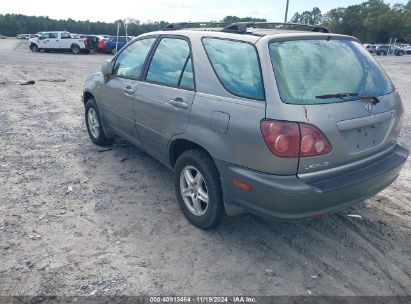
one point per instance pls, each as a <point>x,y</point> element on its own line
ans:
<point>306,69</point>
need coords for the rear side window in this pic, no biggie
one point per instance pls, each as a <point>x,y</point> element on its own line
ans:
<point>237,67</point>
<point>130,62</point>
<point>187,79</point>
<point>171,64</point>
<point>307,71</point>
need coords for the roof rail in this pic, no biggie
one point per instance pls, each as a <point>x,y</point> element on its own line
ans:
<point>188,25</point>
<point>242,27</point>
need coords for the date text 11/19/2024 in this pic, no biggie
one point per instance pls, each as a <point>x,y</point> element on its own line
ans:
<point>210,299</point>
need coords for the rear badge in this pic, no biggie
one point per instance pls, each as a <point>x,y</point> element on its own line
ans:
<point>370,107</point>
<point>316,166</point>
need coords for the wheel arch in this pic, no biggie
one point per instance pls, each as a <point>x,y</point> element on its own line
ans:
<point>107,130</point>
<point>179,145</point>
<point>87,96</point>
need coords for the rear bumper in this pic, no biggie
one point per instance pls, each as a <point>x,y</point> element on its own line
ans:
<point>298,197</point>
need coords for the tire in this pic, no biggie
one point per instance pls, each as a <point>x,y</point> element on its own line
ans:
<point>34,48</point>
<point>400,53</point>
<point>94,126</point>
<point>204,214</point>
<point>113,51</point>
<point>75,49</point>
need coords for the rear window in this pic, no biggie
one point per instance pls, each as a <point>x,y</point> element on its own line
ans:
<point>237,67</point>
<point>308,69</point>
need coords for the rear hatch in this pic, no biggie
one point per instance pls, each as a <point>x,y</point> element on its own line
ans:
<point>334,84</point>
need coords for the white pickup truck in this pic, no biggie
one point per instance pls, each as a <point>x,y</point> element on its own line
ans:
<point>62,41</point>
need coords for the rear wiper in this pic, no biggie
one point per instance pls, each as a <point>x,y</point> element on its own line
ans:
<point>336,95</point>
<point>343,96</point>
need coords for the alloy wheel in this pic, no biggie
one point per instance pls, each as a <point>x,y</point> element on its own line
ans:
<point>194,190</point>
<point>93,123</point>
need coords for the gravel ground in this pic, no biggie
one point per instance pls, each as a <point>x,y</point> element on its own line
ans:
<point>78,220</point>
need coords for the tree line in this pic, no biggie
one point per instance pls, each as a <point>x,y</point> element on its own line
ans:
<point>371,21</point>
<point>13,24</point>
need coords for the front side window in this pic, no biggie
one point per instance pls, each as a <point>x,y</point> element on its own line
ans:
<point>309,71</point>
<point>171,64</point>
<point>130,62</point>
<point>236,65</point>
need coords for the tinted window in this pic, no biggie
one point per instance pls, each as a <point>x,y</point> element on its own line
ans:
<point>305,69</point>
<point>53,35</point>
<point>171,63</point>
<point>130,62</point>
<point>237,67</point>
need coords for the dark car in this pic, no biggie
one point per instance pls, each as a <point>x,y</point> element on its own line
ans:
<point>112,45</point>
<point>387,49</point>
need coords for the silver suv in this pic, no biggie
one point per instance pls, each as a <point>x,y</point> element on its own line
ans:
<point>261,118</point>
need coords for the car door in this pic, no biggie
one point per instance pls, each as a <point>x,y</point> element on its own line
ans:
<point>117,93</point>
<point>163,99</point>
<point>53,41</point>
<point>65,41</point>
<point>44,41</point>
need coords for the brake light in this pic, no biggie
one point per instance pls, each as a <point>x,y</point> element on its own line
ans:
<point>400,123</point>
<point>282,138</point>
<point>85,42</point>
<point>292,139</point>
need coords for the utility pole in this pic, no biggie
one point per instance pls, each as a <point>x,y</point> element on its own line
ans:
<point>118,23</point>
<point>125,27</point>
<point>286,13</point>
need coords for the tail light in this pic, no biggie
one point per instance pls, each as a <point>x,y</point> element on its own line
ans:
<point>313,141</point>
<point>281,138</point>
<point>293,139</point>
<point>400,123</point>
<point>85,42</point>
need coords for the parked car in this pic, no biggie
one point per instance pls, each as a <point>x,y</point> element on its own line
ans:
<point>58,41</point>
<point>2,37</point>
<point>248,122</point>
<point>407,51</point>
<point>371,48</point>
<point>93,41</point>
<point>113,45</point>
<point>23,36</point>
<point>387,49</point>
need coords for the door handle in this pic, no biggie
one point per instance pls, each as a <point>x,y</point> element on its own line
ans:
<point>179,103</point>
<point>129,90</point>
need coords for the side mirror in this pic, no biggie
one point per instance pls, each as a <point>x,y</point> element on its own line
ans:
<point>107,68</point>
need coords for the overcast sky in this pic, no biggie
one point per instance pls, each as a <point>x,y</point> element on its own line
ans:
<point>168,10</point>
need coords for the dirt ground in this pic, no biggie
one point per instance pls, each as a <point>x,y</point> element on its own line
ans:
<point>78,220</point>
